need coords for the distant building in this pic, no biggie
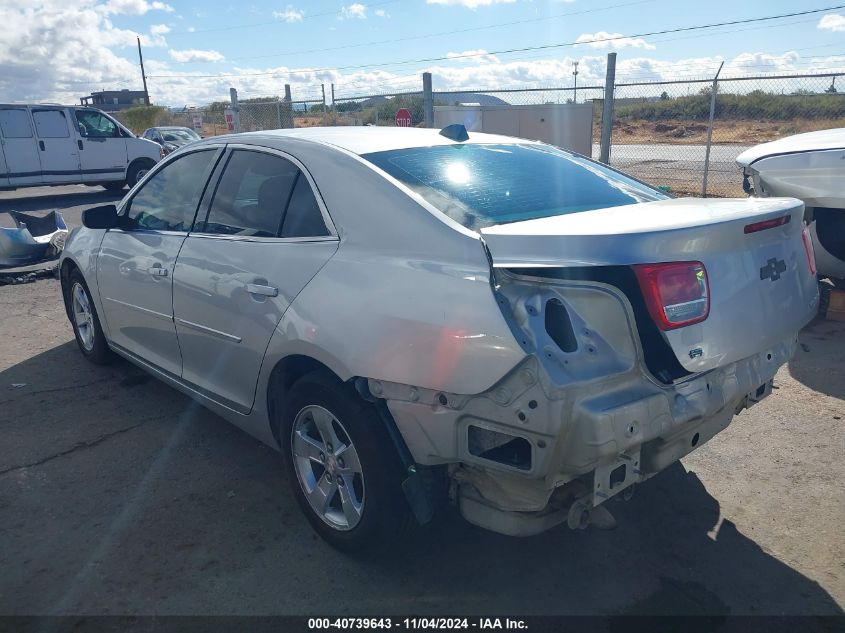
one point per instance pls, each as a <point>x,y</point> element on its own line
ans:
<point>111,100</point>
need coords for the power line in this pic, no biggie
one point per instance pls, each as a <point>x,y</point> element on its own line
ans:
<point>512,50</point>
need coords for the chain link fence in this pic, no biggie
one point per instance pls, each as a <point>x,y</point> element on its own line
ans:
<point>661,129</point>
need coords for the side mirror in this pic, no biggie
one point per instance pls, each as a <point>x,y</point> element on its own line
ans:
<point>104,217</point>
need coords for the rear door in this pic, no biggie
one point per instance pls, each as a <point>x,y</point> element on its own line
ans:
<point>102,147</point>
<point>23,165</point>
<point>264,236</point>
<point>57,147</point>
<point>135,263</point>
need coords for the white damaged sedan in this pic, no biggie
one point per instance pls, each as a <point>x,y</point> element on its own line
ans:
<point>410,315</point>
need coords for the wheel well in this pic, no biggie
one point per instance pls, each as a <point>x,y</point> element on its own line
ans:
<point>286,372</point>
<point>68,266</point>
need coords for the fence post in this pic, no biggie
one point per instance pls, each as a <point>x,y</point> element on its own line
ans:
<point>334,109</point>
<point>236,110</point>
<point>607,109</point>
<point>428,101</point>
<point>288,107</point>
<point>710,130</point>
<point>323,88</point>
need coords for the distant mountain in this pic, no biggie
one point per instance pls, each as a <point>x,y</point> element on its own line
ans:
<point>451,98</point>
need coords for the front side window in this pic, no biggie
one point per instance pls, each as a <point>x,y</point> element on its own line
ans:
<point>252,196</point>
<point>96,125</point>
<point>483,185</point>
<point>169,199</point>
<point>50,123</point>
<point>14,123</point>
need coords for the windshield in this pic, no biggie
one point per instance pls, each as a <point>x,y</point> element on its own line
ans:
<point>482,185</point>
<point>180,135</point>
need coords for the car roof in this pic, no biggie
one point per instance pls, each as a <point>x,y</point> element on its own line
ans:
<point>366,139</point>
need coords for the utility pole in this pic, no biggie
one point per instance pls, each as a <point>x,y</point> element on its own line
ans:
<point>575,74</point>
<point>143,74</point>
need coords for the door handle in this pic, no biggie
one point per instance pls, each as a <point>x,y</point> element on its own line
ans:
<point>258,289</point>
<point>79,144</point>
<point>41,145</point>
<point>157,271</point>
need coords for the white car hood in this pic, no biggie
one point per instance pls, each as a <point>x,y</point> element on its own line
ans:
<point>807,142</point>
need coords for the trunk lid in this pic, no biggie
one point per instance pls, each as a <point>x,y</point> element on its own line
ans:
<point>761,288</point>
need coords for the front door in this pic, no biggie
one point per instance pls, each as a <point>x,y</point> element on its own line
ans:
<point>102,147</point>
<point>23,166</point>
<point>264,237</point>
<point>135,264</point>
<point>58,150</point>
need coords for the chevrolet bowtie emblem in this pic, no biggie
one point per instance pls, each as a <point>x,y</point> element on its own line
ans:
<point>773,269</point>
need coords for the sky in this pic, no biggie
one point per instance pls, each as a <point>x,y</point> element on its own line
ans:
<point>58,51</point>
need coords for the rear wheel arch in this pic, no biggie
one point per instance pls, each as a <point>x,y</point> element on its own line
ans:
<point>285,373</point>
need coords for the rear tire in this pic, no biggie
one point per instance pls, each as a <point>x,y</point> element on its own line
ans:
<point>85,322</point>
<point>343,468</point>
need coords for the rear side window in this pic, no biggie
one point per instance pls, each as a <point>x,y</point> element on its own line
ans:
<point>50,123</point>
<point>264,195</point>
<point>14,123</point>
<point>483,185</point>
<point>252,195</point>
<point>303,217</point>
<point>169,199</point>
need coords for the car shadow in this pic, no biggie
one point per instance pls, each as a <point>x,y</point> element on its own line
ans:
<point>818,360</point>
<point>120,495</point>
<point>42,199</point>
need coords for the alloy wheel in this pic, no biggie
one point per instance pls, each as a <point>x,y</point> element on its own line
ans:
<point>83,316</point>
<point>327,467</point>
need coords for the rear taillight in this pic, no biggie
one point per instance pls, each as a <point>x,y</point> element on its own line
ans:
<point>676,293</point>
<point>808,249</point>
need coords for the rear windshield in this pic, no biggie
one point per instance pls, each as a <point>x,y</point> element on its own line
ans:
<point>482,185</point>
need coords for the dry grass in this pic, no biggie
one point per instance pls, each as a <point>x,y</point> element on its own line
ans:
<point>741,132</point>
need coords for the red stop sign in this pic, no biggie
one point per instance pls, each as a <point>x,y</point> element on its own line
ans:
<point>403,117</point>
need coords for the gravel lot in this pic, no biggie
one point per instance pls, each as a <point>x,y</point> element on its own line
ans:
<point>118,495</point>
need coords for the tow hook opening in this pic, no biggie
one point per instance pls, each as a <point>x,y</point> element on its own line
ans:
<point>501,448</point>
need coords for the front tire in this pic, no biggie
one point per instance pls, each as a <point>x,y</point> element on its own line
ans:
<point>85,322</point>
<point>137,170</point>
<point>342,466</point>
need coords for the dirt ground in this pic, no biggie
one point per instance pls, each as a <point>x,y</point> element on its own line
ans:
<point>118,495</point>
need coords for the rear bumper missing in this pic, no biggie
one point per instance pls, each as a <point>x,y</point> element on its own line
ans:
<point>528,455</point>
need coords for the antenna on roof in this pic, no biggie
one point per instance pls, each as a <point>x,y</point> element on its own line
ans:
<point>455,132</point>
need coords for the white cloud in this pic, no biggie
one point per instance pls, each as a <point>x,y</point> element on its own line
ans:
<point>474,56</point>
<point>832,22</point>
<point>603,39</point>
<point>194,55</point>
<point>381,13</point>
<point>353,11</point>
<point>470,4</point>
<point>290,14</point>
<point>132,7</point>
<point>156,35</point>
